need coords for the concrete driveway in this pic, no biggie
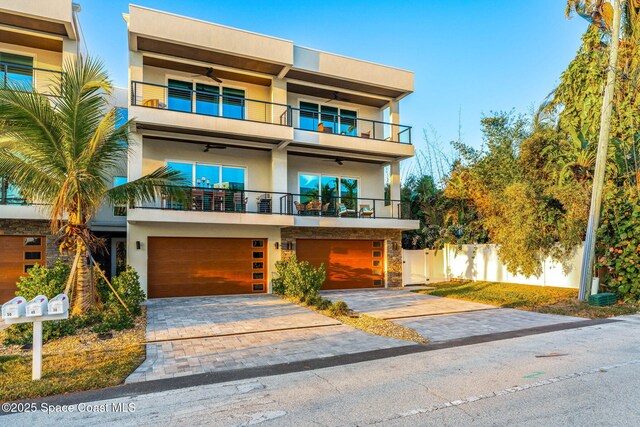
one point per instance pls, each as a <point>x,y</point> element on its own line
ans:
<point>187,336</point>
<point>442,319</point>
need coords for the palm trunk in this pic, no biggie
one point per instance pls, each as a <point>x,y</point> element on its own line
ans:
<point>82,298</point>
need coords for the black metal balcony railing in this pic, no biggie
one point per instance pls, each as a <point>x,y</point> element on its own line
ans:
<point>350,126</point>
<point>25,77</point>
<point>229,200</point>
<point>349,207</point>
<point>269,202</point>
<point>208,103</point>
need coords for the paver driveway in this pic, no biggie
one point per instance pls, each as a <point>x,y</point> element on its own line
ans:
<point>397,303</point>
<point>195,335</point>
<point>443,319</point>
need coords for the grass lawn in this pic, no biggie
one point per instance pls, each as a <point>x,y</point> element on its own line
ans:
<point>541,299</point>
<point>72,363</point>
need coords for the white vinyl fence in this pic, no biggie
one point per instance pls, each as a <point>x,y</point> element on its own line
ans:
<point>453,262</point>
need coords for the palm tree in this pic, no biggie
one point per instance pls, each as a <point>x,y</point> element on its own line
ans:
<point>62,151</point>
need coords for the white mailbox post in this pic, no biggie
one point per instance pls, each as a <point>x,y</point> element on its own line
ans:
<point>36,311</point>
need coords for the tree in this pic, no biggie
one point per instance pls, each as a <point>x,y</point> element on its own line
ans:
<point>62,152</point>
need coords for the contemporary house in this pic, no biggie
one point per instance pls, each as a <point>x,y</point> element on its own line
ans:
<point>36,39</point>
<point>284,148</point>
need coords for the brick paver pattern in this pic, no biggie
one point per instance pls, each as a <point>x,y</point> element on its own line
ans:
<point>393,303</point>
<point>460,325</point>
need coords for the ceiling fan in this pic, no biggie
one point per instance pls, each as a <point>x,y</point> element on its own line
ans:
<point>337,97</point>
<point>213,147</point>
<point>209,72</point>
<point>339,160</point>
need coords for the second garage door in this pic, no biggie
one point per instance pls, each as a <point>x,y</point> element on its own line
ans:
<point>348,263</point>
<point>17,255</point>
<point>186,266</point>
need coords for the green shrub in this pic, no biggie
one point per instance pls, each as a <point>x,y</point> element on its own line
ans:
<point>339,308</point>
<point>44,281</point>
<point>127,285</point>
<point>51,282</point>
<point>323,304</point>
<point>298,279</point>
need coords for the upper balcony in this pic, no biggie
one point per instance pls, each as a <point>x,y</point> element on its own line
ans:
<point>27,77</point>
<point>228,115</point>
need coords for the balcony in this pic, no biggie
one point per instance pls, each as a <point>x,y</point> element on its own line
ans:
<point>351,126</point>
<point>209,111</point>
<point>250,207</point>
<point>25,77</point>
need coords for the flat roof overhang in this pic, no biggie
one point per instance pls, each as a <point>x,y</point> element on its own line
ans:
<point>35,41</point>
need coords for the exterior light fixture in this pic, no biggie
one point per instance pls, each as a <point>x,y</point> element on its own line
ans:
<point>138,244</point>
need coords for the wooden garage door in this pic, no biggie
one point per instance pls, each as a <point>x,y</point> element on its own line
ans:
<point>17,255</point>
<point>184,266</point>
<point>348,263</point>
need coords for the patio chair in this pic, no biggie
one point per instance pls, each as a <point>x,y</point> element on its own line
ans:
<point>314,207</point>
<point>302,208</point>
<point>366,211</point>
<point>239,200</point>
<point>325,209</point>
<point>197,199</point>
<point>343,211</point>
<point>366,135</point>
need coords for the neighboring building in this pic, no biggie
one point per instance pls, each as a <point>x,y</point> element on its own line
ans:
<point>285,149</point>
<point>36,38</point>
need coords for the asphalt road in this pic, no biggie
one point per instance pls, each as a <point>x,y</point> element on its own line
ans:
<point>595,380</point>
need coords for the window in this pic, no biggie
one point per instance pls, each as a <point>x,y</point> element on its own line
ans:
<point>16,69</point>
<point>186,169</point>
<point>258,287</point>
<point>32,255</point>
<point>258,265</point>
<point>10,194</point>
<point>336,119</point>
<point>258,255</point>
<point>329,189</point>
<point>308,116</point>
<point>179,95</point>
<point>211,176</point>
<point>33,241</point>
<point>207,99</point>
<point>258,244</point>
<point>119,210</point>
<point>207,176</point>
<point>232,178</point>
<point>232,103</point>
<point>257,276</point>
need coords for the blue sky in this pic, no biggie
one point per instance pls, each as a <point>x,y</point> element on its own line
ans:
<point>469,56</point>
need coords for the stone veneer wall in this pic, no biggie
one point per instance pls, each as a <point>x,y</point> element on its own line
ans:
<point>9,227</point>
<point>390,236</point>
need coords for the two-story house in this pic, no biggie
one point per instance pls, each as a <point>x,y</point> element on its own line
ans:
<point>36,39</point>
<point>285,149</point>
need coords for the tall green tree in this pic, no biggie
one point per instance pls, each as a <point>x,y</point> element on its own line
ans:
<point>62,151</point>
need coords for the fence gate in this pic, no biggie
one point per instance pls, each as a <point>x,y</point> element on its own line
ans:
<point>414,267</point>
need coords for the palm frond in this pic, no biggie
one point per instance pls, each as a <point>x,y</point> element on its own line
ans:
<point>149,188</point>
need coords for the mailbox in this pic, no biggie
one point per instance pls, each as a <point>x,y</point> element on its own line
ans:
<point>59,304</point>
<point>14,308</point>
<point>37,306</point>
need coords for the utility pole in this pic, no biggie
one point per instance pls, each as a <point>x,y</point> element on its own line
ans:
<point>586,276</point>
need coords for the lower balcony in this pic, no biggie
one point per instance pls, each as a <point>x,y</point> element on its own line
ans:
<point>250,207</point>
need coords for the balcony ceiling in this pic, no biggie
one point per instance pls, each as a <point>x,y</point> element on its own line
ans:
<point>29,40</point>
<point>199,69</point>
<point>208,56</point>
<point>342,83</point>
<point>329,94</point>
<point>199,135</point>
<point>35,24</point>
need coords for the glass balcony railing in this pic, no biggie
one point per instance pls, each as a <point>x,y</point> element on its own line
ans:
<point>23,77</point>
<point>350,126</point>
<point>208,103</point>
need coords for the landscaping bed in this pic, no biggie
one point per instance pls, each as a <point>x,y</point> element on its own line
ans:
<point>542,299</point>
<point>72,363</point>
